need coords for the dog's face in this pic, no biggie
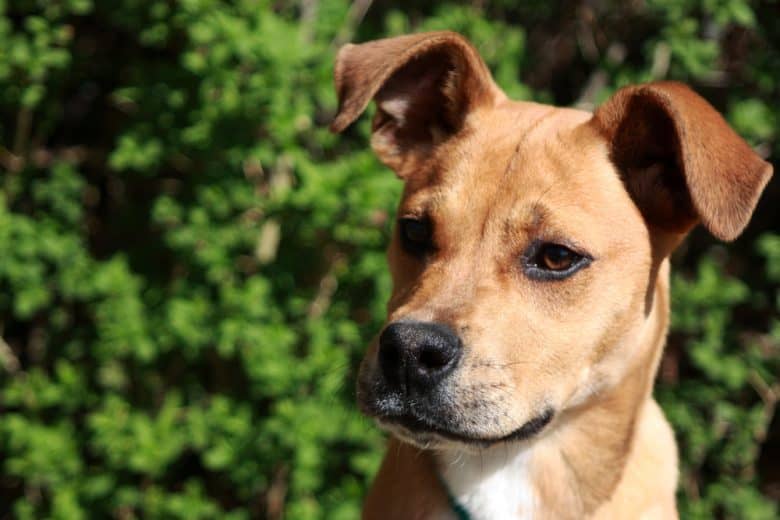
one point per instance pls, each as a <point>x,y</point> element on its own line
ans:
<point>528,239</point>
<point>523,242</point>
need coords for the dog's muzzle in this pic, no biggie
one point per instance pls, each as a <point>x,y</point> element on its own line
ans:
<point>409,390</point>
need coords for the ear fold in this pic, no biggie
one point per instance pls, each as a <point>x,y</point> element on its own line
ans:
<point>424,86</point>
<point>680,160</point>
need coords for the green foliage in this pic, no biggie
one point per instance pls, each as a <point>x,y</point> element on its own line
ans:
<point>192,264</point>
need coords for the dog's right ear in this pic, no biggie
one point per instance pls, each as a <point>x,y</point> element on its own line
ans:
<point>424,86</point>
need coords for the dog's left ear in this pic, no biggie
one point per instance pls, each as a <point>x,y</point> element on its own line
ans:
<point>424,86</point>
<point>680,160</point>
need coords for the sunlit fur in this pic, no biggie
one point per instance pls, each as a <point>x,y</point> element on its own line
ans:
<point>494,176</point>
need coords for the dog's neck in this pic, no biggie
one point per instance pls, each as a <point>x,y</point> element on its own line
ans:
<point>587,448</point>
<point>524,481</point>
<point>490,483</point>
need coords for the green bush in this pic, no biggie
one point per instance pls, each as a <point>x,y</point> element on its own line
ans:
<point>192,265</point>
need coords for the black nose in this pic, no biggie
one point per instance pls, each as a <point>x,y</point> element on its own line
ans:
<point>417,355</point>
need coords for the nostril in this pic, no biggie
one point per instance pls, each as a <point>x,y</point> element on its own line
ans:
<point>391,354</point>
<point>434,357</point>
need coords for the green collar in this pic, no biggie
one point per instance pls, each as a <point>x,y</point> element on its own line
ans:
<point>459,510</point>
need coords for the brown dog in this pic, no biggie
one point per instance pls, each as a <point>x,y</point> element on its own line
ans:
<point>530,267</point>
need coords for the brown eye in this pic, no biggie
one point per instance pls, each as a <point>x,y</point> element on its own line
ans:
<point>415,235</point>
<point>549,261</point>
<point>556,258</point>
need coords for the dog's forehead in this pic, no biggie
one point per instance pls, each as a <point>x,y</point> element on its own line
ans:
<point>518,160</point>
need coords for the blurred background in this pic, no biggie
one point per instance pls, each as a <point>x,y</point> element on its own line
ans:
<point>191,265</point>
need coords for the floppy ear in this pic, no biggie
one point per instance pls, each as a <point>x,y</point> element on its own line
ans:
<point>424,85</point>
<point>680,160</point>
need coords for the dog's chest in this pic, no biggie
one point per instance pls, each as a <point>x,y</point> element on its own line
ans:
<point>493,484</point>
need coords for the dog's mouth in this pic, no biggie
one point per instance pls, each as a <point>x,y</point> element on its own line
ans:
<point>432,420</point>
<point>422,431</point>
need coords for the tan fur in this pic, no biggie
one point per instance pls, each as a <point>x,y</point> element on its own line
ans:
<point>625,185</point>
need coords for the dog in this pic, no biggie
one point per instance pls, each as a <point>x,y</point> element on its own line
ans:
<point>530,267</point>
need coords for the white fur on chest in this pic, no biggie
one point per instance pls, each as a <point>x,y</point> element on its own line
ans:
<point>491,485</point>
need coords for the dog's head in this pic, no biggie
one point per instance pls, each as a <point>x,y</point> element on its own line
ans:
<point>529,238</point>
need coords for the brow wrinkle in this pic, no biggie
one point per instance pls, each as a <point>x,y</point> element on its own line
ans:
<point>518,148</point>
<point>511,164</point>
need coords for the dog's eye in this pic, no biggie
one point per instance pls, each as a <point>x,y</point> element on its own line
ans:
<point>415,235</point>
<point>556,258</point>
<point>548,261</point>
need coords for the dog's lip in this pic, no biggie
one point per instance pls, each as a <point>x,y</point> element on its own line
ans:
<point>416,425</point>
